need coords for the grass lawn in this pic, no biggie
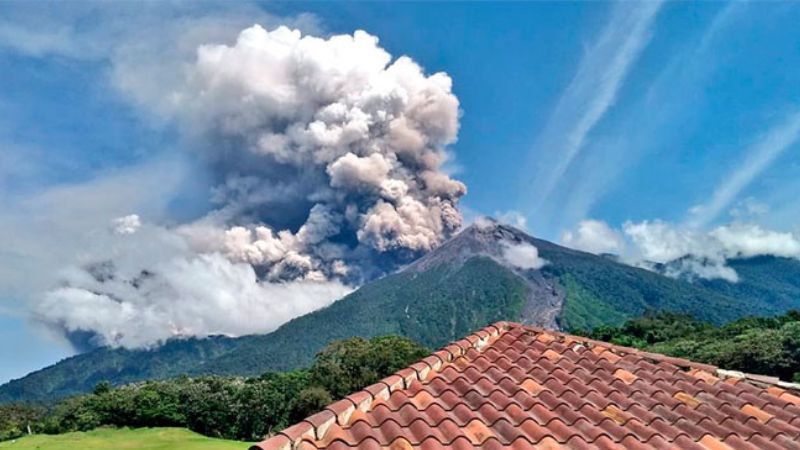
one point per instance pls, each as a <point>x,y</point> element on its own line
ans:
<point>124,439</point>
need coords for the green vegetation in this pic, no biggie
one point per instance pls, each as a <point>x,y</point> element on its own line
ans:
<point>583,309</point>
<point>81,373</point>
<point>224,407</point>
<point>346,366</point>
<point>124,439</point>
<point>774,283</point>
<point>767,346</point>
<point>15,419</point>
<point>600,291</point>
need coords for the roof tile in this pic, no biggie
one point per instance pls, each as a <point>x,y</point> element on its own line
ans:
<point>361,400</point>
<point>513,386</point>
<point>342,410</point>
<point>379,391</point>
<point>279,442</point>
<point>321,421</point>
<point>759,414</point>
<point>299,431</point>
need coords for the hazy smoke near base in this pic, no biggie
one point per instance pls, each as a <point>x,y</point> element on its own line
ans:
<point>522,255</point>
<point>327,156</point>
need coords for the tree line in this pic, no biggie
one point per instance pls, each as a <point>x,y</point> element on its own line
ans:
<point>246,409</point>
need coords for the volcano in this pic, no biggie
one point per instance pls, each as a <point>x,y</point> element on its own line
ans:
<point>486,273</point>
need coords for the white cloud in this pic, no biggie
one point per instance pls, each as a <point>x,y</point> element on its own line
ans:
<point>42,231</point>
<point>659,241</point>
<point>136,289</point>
<point>749,208</point>
<point>182,296</point>
<point>701,268</point>
<point>522,255</point>
<point>747,240</point>
<point>684,250</point>
<point>594,236</point>
<point>126,224</point>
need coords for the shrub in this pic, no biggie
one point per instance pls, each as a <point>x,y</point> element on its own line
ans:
<point>309,401</point>
<point>15,420</point>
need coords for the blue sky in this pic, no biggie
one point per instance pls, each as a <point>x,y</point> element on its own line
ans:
<point>683,112</point>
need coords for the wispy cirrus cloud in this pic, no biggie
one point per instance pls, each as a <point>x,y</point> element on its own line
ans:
<point>668,97</point>
<point>758,158</point>
<point>593,90</point>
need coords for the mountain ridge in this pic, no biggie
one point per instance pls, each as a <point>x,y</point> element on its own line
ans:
<point>466,283</point>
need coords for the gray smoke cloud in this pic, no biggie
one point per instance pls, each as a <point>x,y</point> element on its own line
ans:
<point>327,156</point>
<point>328,152</point>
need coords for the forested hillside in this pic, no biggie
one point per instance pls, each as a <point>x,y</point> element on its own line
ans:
<point>772,282</point>
<point>600,291</point>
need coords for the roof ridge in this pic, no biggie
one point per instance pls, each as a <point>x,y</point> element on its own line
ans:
<point>682,363</point>
<point>339,412</point>
<point>621,350</point>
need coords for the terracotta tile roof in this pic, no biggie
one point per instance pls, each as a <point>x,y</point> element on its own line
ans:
<point>514,386</point>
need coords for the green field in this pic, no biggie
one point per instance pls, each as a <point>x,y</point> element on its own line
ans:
<point>125,439</point>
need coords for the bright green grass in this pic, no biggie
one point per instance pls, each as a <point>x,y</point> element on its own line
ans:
<point>124,439</point>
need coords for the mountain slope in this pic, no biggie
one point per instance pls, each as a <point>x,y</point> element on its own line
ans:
<point>479,292</point>
<point>465,284</point>
<point>774,281</point>
<point>600,291</point>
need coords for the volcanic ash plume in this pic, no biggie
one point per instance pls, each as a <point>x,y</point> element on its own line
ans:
<point>328,152</point>
<point>327,156</point>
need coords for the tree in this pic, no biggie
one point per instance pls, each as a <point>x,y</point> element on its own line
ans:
<point>346,366</point>
<point>15,419</point>
<point>309,401</point>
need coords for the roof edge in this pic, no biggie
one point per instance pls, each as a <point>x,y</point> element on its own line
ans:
<point>339,412</point>
<point>621,350</point>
